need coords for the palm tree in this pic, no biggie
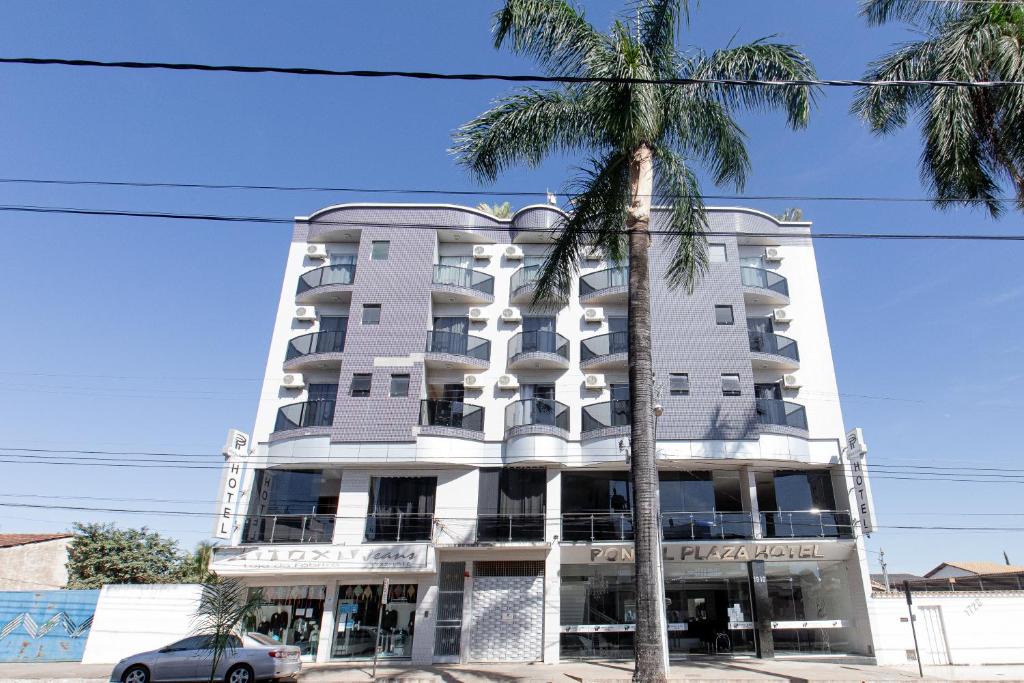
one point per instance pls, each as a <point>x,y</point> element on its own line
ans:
<point>642,138</point>
<point>226,605</point>
<point>973,137</point>
<point>503,210</point>
<point>195,567</point>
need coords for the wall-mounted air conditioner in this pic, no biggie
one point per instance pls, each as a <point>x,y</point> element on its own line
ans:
<point>481,251</point>
<point>593,315</point>
<point>594,382</point>
<point>305,313</point>
<point>772,254</point>
<point>511,315</point>
<point>781,315</point>
<point>477,314</point>
<point>790,382</point>
<point>513,253</point>
<point>472,381</point>
<point>508,382</point>
<point>317,251</point>
<point>293,381</point>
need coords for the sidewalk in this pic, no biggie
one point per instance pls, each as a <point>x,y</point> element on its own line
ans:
<point>589,672</point>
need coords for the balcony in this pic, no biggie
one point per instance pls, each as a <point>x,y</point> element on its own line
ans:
<point>399,526</point>
<point>762,286</point>
<point>537,416</point>
<point>464,285</point>
<point>440,416</point>
<point>605,286</point>
<point>451,350</point>
<point>315,350</point>
<point>523,284</point>
<point>288,529</point>
<point>309,414</point>
<point>675,526</point>
<point>597,526</point>
<point>538,350</point>
<point>607,415</point>
<point>510,528</point>
<point>605,352</point>
<point>772,412</point>
<point>774,351</point>
<point>327,284</point>
<point>806,524</point>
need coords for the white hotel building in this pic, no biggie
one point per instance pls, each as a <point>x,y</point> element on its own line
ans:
<point>421,423</point>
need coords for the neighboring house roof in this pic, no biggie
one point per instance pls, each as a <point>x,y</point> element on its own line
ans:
<point>895,580</point>
<point>11,540</point>
<point>978,568</point>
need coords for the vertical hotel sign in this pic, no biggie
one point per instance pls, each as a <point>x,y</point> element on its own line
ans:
<point>235,451</point>
<point>856,452</point>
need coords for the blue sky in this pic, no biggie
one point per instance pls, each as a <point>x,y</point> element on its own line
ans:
<point>151,335</point>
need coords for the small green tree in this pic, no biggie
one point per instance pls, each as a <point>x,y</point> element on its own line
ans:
<point>101,554</point>
<point>195,567</point>
<point>225,606</point>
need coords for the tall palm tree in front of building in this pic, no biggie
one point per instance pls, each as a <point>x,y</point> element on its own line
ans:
<point>644,139</point>
<point>973,137</point>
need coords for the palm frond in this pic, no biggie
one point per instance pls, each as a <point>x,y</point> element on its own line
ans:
<point>687,219</point>
<point>225,606</point>
<point>554,32</point>
<point>879,12</point>
<point>887,109</point>
<point>704,129</point>
<point>659,24</point>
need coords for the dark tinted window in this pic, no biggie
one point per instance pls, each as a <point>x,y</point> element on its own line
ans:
<point>723,315</point>
<point>679,384</point>
<point>371,314</point>
<point>399,385</point>
<point>380,250</point>
<point>730,385</point>
<point>361,384</point>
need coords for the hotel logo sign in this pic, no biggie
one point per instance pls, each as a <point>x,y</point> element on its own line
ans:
<point>235,451</point>
<point>856,456</point>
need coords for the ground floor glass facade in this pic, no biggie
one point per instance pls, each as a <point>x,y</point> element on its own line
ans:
<point>357,614</point>
<point>291,615</point>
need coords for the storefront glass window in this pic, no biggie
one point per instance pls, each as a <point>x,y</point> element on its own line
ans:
<point>291,615</point>
<point>811,606</point>
<point>356,620</point>
<point>598,611</point>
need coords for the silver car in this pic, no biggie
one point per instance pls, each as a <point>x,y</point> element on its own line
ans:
<point>249,658</point>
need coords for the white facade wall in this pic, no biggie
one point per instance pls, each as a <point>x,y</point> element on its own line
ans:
<point>34,566</point>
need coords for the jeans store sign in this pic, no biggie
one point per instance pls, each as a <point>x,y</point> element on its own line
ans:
<point>713,552</point>
<point>417,558</point>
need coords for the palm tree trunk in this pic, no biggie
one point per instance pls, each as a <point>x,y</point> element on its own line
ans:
<point>650,627</point>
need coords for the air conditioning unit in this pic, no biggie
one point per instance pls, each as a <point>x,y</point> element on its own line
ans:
<point>593,315</point>
<point>317,251</point>
<point>472,381</point>
<point>594,382</point>
<point>481,251</point>
<point>772,254</point>
<point>508,382</point>
<point>592,254</point>
<point>306,313</point>
<point>513,253</point>
<point>781,315</point>
<point>477,314</point>
<point>293,381</point>
<point>511,315</point>
<point>790,382</point>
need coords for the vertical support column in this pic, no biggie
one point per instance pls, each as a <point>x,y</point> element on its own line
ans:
<point>748,493</point>
<point>327,624</point>
<point>762,610</point>
<point>553,567</point>
<point>426,616</point>
<point>466,634</point>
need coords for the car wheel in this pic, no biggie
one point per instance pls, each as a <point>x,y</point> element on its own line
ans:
<point>136,674</point>
<point>240,674</point>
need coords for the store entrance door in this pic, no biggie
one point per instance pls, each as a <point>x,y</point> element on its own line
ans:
<point>708,612</point>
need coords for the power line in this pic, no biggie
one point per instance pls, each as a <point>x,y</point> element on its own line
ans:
<point>513,78</point>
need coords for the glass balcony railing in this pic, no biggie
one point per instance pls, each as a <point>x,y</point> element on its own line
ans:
<point>597,526</point>
<point>604,345</point>
<point>537,411</point>
<point>399,526</point>
<point>444,413</point>
<point>604,279</point>
<point>692,526</point>
<point>775,344</point>
<point>509,528</point>
<point>458,344</point>
<point>771,411</point>
<point>806,524</point>
<point>604,415</point>
<point>288,529</point>
<point>316,342</point>
<point>307,414</point>
<point>524,278</point>
<point>538,342</point>
<point>765,279</point>
<point>464,277</point>
<point>339,274</point>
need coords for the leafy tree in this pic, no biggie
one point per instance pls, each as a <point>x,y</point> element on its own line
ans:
<point>195,567</point>
<point>225,606</point>
<point>973,137</point>
<point>101,554</point>
<point>643,138</point>
<point>503,210</point>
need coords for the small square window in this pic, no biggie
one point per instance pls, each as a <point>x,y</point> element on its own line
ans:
<point>399,385</point>
<point>717,253</point>
<point>380,249</point>
<point>371,314</point>
<point>723,315</point>
<point>679,384</point>
<point>361,384</point>
<point>730,385</point>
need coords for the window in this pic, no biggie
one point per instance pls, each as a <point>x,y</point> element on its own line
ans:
<point>723,315</point>
<point>371,314</point>
<point>679,384</point>
<point>379,250</point>
<point>361,384</point>
<point>717,253</point>
<point>730,385</point>
<point>399,385</point>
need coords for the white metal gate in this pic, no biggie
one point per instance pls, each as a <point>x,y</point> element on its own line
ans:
<point>934,648</point>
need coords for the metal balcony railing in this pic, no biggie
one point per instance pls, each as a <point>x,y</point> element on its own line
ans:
<point>772,411</point>
<point>399,526</point>
<point>806,524</point>
<point>509,528</point>
<point>311,528</point>
<point>604,415</point>
<point>316,342</point>
<point>538,342</point>
<point>523,278</point>
<point>604,279</point>
<point>464,277</point>
<point>604,345</point>
<point>765,279</point>
<point>338,274</point>
<point>458,344</point>
<point>775,344</point>
<point>690,526</point>
<point>537,411</point>
<point>436,412</point>
<point>318,413</point>
<point>597,526</point>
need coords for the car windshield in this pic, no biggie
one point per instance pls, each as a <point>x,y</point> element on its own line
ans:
<point>262,639</point>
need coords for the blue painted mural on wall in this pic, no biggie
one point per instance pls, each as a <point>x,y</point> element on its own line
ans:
<point>45,626</point>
